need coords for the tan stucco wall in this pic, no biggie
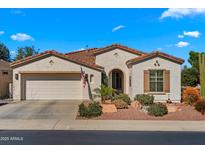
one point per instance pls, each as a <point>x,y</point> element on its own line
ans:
<point>59,65</point>
<point>110,61</point>
<point>6,79</point>
<point>175,78</point>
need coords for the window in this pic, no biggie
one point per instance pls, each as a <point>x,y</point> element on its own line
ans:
<point>5,73</point>
<point>156,80</point>
<point>91,78</point>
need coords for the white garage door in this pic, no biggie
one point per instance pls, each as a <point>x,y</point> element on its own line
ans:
<point>53,86</point>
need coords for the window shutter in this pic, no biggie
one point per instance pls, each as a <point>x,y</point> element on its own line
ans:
<point>167,81</point>
<point>146,81</point>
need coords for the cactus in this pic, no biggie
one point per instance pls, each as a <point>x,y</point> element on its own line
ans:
<point>202,74</point>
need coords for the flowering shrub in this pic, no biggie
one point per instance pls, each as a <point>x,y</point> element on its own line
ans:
<point>200,106</point>
<point>191,95</point>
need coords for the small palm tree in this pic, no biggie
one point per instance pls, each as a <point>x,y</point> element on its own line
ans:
<point>105,92</point>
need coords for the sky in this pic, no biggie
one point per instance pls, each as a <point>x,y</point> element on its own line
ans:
<point>173,31</point>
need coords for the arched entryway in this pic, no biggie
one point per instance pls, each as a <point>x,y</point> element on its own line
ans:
<point>116,80</point>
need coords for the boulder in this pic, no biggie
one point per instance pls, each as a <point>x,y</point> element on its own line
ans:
<point>136,105</point>
<point>108,108</point>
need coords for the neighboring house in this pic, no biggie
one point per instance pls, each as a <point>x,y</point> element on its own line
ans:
<point>52,75</point>
<point>5,79</point>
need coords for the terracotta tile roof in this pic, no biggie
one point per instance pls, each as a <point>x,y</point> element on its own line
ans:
<point>86,51</point>
<point>84,55</point>
<point>55,53</point>
<point>155,54</point>
<point>89,55</point>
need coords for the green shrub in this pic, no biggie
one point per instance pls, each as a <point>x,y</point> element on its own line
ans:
<point>145,99</point>
<point>83,110</point>
<point>200,106</point>
<point>123,97</point>
<point>120,104</point>
<point>93,110</point>
<point>157,109</point>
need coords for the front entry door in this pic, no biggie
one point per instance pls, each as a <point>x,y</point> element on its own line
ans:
<point>117,80</point>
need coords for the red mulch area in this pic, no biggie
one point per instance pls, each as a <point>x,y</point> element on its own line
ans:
<point>187,113</point>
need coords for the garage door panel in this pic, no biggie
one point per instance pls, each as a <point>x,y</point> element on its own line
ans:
<point>50,87</point>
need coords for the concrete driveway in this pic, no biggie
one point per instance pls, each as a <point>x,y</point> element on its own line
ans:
<point>40,110</point>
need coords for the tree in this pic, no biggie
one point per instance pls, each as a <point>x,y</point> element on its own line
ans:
<point>26,52</point>
<point>194,59</point>
<point>104,92</point>
<point>104,79</point>
<point>4,52</point>
<point>190,77</point>
<point>20,54</point>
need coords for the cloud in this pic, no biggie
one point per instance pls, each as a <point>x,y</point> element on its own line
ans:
<point>180,36</point>
<point>195,34</point>
<point>21,37</point>
<point>182,44</point>
<point>2,32</point>
<point>180,13</point>
<point>118,28</point>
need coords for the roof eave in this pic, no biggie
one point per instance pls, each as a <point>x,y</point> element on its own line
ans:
<point>15,65</point>
<point>178,61</point>
<point>111,47</point>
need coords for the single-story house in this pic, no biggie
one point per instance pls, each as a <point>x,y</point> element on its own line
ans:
<point>5,79</point>
<point>74,75</point>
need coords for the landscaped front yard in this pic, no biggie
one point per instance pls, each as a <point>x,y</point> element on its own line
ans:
<point>185,113</point>
<point>120,107</point>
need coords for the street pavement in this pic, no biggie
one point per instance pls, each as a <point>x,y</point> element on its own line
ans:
<point>72,137</point>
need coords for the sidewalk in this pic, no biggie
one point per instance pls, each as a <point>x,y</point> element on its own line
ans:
<point>122,125</point>
<point>133,125</point>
